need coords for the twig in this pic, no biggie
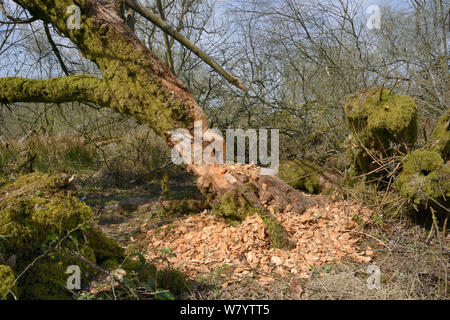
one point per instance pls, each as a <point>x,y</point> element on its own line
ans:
<point>11,18</point>
<point>151,172</point>
<point>155,19</point>
<point>369,235</point>
<point>93,265</point>
<point>444,228</point>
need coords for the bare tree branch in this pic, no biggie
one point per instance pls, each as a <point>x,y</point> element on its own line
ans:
<point>55,50</point>
<point>13,20</point>
<point>152,17</point>
<point>166,38</point>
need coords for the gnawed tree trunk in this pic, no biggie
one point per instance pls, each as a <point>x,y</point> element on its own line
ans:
<point>136,83</point>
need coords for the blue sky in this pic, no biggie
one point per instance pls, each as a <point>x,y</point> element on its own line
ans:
<point>221,5</point>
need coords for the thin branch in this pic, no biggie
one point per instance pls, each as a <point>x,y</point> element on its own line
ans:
<point>55,50</point>
<point>11,18</point>
<point>155,19</point>
<point>166,38</point>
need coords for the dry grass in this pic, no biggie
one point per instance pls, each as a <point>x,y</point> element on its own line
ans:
<point>410,268</point>
<point>53,153</point>
<point>112,161</point>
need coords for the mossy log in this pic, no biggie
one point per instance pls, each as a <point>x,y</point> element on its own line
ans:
<point>134,82</point>
<point>306,176</point>
<point>425,173</point>
<point>235,207</point>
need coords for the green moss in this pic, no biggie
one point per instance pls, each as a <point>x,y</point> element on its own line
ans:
<point>165,185</point>
<point>301,174</point>
<point>184,207</point>
<point>441,136</point>
<point>7,278</point>
<point>110,264</point>
<point>29,221</point>
<point>3,180</point>
<point>168,279</point>
<point>129,83</point>
<point>172,280</point>
<point>103,247</point>
<point>233,208</point>
<point>50,283</point>
<point>252,186</point>
<point>379,120</point>
<point>391,118</point>
<point>236,208</point>
<point>278,235</point>
<point>40,218</point>
<point>47,278</point>
<point>437,186</point>
<point>89,253</point>
<point>424,171</point>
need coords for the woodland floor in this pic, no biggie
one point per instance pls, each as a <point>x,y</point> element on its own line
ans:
<point>335,243</point>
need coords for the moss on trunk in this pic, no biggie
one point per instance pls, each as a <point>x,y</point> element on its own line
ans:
<point>302,175</point>
<point>441,136</point>
<point>235,208</point>
<point>134,82</point>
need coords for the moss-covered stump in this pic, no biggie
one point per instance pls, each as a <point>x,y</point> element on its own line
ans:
<point>426,172</point>
<point>425,175</point>
<point>441,136</point>
<point>235,207</point>
<point>46,227</point>
<point>379,121</point>
<point>306,176</point>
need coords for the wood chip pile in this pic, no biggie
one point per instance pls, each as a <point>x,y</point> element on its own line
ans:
<point>202,244</point>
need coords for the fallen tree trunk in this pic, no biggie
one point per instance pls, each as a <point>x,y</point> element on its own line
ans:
<point>136,83</point>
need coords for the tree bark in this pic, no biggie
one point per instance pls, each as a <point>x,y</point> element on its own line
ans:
<point>136,83</point>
